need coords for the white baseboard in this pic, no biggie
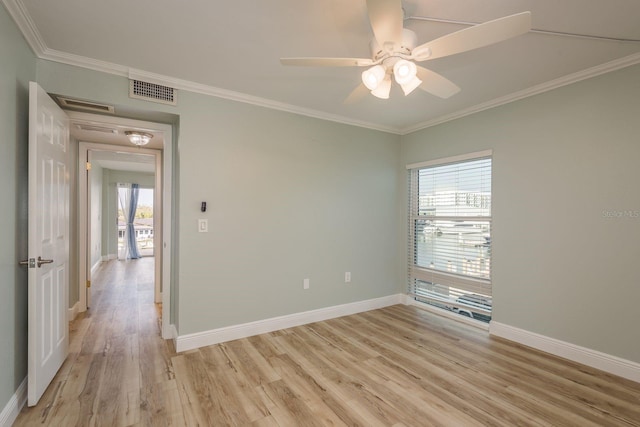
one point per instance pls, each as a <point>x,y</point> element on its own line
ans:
<point>229,333</point>
<point>170,333</point>
<point>95,266</point>
<point>605,362</point>
<point>14,406</point>
<point>73,311</point>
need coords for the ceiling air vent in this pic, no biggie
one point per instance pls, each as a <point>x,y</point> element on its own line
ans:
<point>78,104</point>
<point>153,92</point>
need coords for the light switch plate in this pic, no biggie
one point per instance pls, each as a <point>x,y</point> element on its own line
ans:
<point>203,225</point>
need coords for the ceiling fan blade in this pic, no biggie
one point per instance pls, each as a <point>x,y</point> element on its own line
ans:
<point>386,22</point>
<point>436,84</point>
<point>356,95</point>
<point>474,37</point>
<point>327,62</point>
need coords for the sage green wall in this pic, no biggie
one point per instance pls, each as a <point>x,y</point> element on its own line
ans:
<point>564,162</point>
<point>17,68</point>
<point>290,197</point>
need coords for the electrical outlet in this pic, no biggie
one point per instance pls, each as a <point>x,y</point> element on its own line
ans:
<point>347,277</point>
<point>305,284</point>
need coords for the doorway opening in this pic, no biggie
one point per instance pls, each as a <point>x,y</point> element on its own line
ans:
<point>135,221</point>
<point>109,164</point>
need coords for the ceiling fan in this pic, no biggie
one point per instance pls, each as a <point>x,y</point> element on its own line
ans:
<point>395,51</point>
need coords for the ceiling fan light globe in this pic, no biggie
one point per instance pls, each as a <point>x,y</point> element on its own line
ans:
<point>383,89</point>
<point>407,88</point>
<point>404,71</point>
<point>373,77</point>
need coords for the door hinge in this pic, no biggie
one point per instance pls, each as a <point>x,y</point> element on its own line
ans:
<point>88,283</point>
<point>88,166</point>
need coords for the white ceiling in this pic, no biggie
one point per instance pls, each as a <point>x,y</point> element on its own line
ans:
<point>232,49</point>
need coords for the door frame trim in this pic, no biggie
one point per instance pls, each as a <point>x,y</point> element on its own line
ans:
<point>163,183</point>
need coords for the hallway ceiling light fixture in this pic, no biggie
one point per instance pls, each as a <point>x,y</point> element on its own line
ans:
<point>138,138</point>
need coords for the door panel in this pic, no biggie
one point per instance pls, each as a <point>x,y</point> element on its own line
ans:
<point>48,240</point>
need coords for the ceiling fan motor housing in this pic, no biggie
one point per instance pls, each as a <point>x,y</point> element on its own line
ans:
<point>409,41</point>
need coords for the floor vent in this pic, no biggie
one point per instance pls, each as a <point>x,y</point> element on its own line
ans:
<point>78,104</point>
<point>153,92</point>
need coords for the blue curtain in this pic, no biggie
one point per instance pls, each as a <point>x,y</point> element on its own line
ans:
<point>132,244</point>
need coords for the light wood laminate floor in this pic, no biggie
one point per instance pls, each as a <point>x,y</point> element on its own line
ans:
<point>398,366</point>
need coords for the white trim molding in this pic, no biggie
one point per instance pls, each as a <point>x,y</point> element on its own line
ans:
<point>72,312</point>
<point>595,359</point>
<point>96,265</point>
<point>229,333</point>
<point>217,92</point>
<point>170,332</point>
<point>607,67</point>
<point>452,159</point>
<point>14,406</point>
<point>21,17</point>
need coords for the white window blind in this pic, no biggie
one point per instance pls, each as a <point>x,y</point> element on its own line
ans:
<point>450,235</point>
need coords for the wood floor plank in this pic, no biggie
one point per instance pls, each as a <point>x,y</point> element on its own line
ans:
<point>294,411</point>
<point>243,405</point>
<point>198,393</point>
<point>252,363</point>
<point>440,380</point>
<point>398,366</point>
<point>382,400</point>
<point>160,405</point>
<point>324,405</point>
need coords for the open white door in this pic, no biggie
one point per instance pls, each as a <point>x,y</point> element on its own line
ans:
<point>48,261</point>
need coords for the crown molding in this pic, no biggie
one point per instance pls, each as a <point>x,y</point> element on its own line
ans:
<point>250,99</point>
<point>23,20</point>
<point>20,15</point>
<point>27,27</point>
<point>84,62</point>
<point>180,84</point>
<point>534,90</point>
<point>106,67</point>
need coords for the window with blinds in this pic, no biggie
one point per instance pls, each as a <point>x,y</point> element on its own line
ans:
<point>450,234</point>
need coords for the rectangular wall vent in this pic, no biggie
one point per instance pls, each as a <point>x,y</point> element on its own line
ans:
<point>94,128</point>
<point>78,104</point>
<point>153,92</point>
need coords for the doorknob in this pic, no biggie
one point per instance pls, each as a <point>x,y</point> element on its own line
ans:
<point>32,262</point>
<point>43,261</point>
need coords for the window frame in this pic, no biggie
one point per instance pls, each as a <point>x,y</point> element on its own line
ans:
<point>432,277</point>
